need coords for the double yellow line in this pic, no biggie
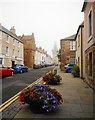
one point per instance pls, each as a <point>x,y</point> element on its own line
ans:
<point>11,100</point>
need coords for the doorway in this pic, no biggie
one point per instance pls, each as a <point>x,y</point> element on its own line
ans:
<point>13,62</point>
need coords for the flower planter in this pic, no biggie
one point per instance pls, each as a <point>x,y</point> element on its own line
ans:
<point>75,74</point>
<point>36,107</point>
<point>52,78</point>
<point>41,98</point>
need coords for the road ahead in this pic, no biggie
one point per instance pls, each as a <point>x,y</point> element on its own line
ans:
<point>14,84</point>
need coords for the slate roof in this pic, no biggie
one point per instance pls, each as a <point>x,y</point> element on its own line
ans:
<point>72,37</point>
<point>3,29</point>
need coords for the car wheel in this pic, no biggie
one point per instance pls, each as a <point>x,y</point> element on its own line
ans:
<point>21,71</point>
<point>12,73</point>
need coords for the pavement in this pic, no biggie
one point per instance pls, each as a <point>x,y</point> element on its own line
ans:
<point>78,100</point>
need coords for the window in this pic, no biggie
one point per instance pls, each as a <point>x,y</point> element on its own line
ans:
<point>7,50</point>
<point>8,38</point>
<point>90,23</point>
<point>13,52</point>
<point>72,45</point>
<point>78,40</point>
<point>18,53</point>
<point>72,60</point>
<point>18,44</point>
<point>13,41</point>
<point>1,60</point>
<point>90,64</point>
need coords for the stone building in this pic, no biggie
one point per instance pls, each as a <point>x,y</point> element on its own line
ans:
<point>80,60</point>
<point>89,41</point>
<point>67,51</point>
<point>11,47</point>
<point>29,49</point>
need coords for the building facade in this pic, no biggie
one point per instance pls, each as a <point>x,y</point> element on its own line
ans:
<point>29,49</point>
<point>67,54</point>
<point>11,47</point>
<point>79,38</point>
<point>41,57</point>
<point>89,41</point>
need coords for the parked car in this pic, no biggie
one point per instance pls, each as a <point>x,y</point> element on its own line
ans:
<point>68,67</point>
<point>6,71</point>
<point>37,66</point>
<point>18,68</point>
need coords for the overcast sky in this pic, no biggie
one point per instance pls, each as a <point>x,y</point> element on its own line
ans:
<point>49,20</point>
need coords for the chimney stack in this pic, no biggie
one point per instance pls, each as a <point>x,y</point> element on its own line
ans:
<point>13,30</point>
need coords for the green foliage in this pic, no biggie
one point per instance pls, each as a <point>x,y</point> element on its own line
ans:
<point>55,72</point>
<point>52,78</point>
<point>76,68</point>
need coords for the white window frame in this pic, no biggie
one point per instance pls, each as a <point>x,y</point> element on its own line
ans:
<point>7,50</point>
<point>90,34</point>
<point>8,38</point>
<point>73,59</point>
<point>72,45</point>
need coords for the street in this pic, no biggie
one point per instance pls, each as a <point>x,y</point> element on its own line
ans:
<point>14,84</point>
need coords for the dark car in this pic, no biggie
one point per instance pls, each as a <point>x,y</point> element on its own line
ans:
<point>18,68</point>
<point>6,71</point>
<point>68,67</point>
<point>37,66</point>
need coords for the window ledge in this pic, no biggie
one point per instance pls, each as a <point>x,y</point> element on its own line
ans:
<point>7,41</point>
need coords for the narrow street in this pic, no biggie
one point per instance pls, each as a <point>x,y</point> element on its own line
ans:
<point>14,84</point>
<point>78,101</point>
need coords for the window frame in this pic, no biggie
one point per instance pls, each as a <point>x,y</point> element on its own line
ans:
<point>7,50</point>
<point>72,45</point>
<point>90,24</point>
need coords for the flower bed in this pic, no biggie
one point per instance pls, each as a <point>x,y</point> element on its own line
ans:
<point>41,98</point>
<point>52,78</point>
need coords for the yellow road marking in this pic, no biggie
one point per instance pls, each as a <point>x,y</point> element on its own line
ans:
<point>11,100</point>
<point>15,97</point>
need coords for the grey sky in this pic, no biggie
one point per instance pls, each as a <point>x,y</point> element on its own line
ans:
<point>50,20</point>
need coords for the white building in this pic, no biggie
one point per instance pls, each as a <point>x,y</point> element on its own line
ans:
<point>41,57</point>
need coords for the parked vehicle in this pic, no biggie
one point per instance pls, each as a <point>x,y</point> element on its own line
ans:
<point>18,68</point>
<point>68,67</point>
<point>37,66</point>
<point>6,71</point>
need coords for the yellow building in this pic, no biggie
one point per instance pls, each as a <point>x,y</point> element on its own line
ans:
<point>11,47</point>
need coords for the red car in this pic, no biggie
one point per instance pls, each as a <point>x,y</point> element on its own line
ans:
<point>6,71</point>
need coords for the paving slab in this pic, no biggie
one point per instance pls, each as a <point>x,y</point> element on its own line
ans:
<point>78,100</point>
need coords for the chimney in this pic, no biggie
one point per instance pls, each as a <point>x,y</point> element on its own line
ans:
<point>13,30</point>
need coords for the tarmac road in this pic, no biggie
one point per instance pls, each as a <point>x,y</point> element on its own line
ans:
<point>13,84</point>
